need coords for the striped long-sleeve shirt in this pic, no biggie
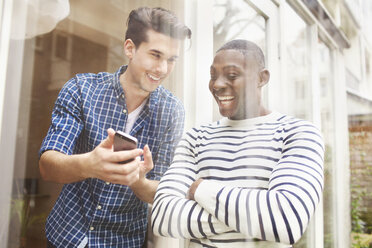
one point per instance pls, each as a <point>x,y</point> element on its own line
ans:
<point>263,178</point>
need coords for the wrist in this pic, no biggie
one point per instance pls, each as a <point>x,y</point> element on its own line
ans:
<point>141,183</point>
<point>194,186</point>
<point>82,161</point>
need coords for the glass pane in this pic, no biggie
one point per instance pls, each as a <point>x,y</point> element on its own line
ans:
<point>297,65</point>
<point>360,148</point>
<point>297,74</point>
<point>236,19</point>
<point>327,119</point>
<point>89,39</point>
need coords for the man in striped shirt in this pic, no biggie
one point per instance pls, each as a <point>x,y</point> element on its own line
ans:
<point>252,179</point>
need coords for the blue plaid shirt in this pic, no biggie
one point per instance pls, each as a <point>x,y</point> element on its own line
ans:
<point>92,211</point>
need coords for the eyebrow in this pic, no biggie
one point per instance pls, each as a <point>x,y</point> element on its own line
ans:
<point>156,51</point>
<point>161,53</point>
<point>231,67</point>
<point>226,67</point>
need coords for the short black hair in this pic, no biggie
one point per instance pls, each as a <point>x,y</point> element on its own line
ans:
<point>158,19</point>
<point>247,48</point>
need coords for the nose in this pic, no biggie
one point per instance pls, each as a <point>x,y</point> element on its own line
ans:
<point>219,84</point>
<point>162,67</point>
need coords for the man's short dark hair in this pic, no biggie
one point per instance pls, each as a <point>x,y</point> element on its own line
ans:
<point>158,19</point>
<point>247,48</point>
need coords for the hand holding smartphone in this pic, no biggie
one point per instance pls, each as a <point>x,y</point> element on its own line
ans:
<point>124,141</point>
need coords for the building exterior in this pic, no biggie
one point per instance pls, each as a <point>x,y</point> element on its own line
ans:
<point>319,54</point>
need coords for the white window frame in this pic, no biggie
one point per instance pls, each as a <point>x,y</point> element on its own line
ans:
<point>6,8</point>
<point>197,99</point>
<point>10,92</point>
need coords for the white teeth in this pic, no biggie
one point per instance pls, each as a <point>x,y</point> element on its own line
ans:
<point>225,98</point>
<point>153,77</point>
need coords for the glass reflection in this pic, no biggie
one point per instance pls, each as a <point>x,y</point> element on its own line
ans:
<point>89,39</point>
<point>327,120</point>
<point>297,76</point>
<point>297,65</point>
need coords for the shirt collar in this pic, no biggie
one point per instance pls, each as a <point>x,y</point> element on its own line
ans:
<point>154,96</point>
<point>117,86</point>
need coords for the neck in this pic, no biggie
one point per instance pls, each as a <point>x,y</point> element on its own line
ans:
<point>256,113</point>
<point>255,109</point>
<point>134,95</point>
<point>264,111</point>
<point>260,110</point>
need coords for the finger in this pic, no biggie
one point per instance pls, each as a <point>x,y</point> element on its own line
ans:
<point>125,179</point>
<point>132,176</point>
<point>129,168</point>
<point>121,156</point>
<point>147,156</point>
<point>109,141</point>
<point>112,169</point>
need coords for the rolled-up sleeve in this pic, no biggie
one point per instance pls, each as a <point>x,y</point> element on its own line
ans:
<point>66,122</point>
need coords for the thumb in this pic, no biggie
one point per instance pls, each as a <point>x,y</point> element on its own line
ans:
<point>147,157</point>
<point>109,141</point>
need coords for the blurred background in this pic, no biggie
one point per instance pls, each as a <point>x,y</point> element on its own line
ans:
<point>319,53</point>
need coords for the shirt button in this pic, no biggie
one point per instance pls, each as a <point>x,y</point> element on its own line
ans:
<point>124,111</point>
<point>122,96</point>
<point>99,207</point>
<point>107,183</point>
<point>91,228</point>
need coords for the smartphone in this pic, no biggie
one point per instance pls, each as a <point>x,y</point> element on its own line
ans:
<point>124,141</point>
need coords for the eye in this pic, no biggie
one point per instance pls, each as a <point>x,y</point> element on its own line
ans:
<point>172,60</point>
<point>213,76</point>
<point>212,72</point>
<point>155,55</point>
<point>232,76</point>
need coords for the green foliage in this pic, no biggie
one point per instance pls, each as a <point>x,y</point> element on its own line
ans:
<point>361,240</point>
<point>359,142</point>
<point>357,224</point>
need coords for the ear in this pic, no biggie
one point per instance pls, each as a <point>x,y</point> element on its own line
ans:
<point>264,77</point>
<point>129,48</point>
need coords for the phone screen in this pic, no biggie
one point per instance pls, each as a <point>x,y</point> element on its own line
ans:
<point>123,141</point>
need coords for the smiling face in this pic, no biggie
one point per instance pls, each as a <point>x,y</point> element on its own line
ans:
<point>151,62</point>
<point>236,82</point>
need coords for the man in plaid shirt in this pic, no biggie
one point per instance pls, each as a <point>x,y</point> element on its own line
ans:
<point>104,203</point>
